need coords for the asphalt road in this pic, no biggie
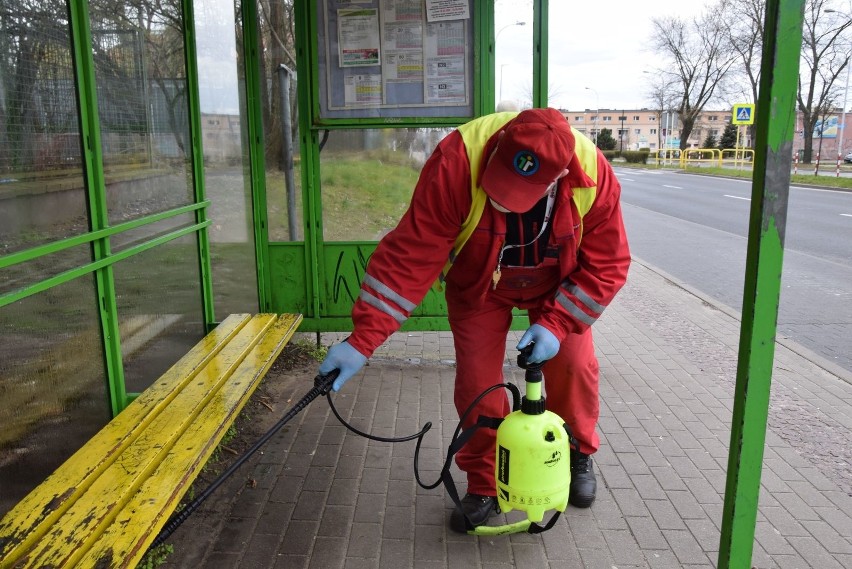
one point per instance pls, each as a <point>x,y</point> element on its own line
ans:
<point>695,228</point>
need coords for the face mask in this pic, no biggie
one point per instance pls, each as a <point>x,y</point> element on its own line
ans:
<point>498,207</point>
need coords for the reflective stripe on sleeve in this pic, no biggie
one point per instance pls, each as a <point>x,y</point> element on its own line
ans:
<point>383,306</point>
<point>583,297</point>
<point>573,310</point>
<point>385,291</point>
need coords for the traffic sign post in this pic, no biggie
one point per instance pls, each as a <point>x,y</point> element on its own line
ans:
<point>742,113</point>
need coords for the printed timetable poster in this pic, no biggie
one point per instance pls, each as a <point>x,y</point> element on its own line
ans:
<point>395,58</point>
<point>358,37</point>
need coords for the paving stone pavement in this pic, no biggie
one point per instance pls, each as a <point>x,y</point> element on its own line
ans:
<point>326,498</point>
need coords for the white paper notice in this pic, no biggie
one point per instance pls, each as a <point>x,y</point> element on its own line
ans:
<point>440,10</point>
<point>445,50</point>
<point>358,36</point>
<point>402,10</point>
<point>363,89</point>
<point>403,66</point>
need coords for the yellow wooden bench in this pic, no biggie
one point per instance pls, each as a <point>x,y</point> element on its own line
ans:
<point>105,505</point>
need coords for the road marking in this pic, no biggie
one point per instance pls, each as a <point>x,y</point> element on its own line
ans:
<point>628,179</point>
<point>737,197</point>
<point>837,191</point>
<point>846,214</point>
<point>673,187</point>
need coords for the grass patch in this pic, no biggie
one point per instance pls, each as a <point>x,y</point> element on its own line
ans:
<point>310,349</point>
<point>364,194</point>
<point>364,197</point>
<point>155,556</point>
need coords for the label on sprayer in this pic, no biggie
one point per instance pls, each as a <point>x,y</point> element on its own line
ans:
<point>503,465</point>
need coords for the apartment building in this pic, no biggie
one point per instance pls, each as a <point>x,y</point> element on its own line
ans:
<point>648,128</point>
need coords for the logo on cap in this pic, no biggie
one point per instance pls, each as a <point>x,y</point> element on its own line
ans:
<point>526,163</point>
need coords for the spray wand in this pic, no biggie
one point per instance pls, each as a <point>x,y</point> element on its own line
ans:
<point>322,385</point>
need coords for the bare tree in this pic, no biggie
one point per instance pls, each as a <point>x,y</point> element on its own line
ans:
<point>824,57</point>
<point>662,97</point>
<point>553,92</point>
<point>701,56</point>
<point>746,38</point>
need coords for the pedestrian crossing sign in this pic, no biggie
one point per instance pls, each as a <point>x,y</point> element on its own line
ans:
<point>743,113</point>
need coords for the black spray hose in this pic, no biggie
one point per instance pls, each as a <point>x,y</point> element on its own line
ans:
<point>322,385</point>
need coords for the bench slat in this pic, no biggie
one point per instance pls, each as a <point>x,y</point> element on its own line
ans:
<point>31,518</point>
<point>90,511</point>
<point>186,401</point>
<point>133,531</point>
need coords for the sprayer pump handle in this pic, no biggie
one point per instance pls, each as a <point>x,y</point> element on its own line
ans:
<point>526,352</point>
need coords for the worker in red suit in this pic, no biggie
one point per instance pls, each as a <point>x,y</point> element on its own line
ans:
<point>512,210</point>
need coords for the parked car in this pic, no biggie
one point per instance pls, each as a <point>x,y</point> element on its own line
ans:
<point>848,158</point>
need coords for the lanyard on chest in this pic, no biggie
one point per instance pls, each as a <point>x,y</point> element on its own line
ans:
<point>551,199</point>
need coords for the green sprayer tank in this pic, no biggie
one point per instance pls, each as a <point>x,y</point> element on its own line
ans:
<point>533,469</point>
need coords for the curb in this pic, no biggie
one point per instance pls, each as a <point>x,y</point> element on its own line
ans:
<point>798,349</point>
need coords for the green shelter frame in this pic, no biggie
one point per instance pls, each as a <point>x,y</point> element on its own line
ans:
<point>305,275</point>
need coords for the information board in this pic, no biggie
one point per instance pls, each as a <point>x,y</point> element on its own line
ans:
<point>395,58</point>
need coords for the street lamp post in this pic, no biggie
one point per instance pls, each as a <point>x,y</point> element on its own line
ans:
<point>845,102</point>
<point>502,65</point>
<point>518,23</point>
<point>621,132</point>
<point>597,112</point>
<point>843,116</point>
<point>497,35</point>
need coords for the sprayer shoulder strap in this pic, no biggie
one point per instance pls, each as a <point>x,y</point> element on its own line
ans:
<point>455,446</point>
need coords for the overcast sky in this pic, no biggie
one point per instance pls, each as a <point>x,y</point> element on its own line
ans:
<point>602,45</point>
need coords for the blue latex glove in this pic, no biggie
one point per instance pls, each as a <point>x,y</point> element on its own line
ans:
<point>345,358</point>
<point>546,344</point>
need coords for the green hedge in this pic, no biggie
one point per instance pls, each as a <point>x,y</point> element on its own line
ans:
<point>629,156</point>
<point>636,156</point>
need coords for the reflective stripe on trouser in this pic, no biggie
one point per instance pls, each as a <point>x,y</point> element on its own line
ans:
<point>571,380</point>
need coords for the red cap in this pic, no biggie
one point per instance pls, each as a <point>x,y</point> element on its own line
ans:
<point>534,149</point>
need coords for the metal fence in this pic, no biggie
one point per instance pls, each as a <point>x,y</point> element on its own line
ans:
<point>142,114</point>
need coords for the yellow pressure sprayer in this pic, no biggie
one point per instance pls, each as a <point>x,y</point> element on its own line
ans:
<point>533,469</point>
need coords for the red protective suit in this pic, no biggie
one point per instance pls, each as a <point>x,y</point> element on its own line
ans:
<point>565,293</point>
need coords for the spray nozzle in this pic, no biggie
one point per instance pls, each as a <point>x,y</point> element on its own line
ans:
<point>523,358</point>
<point>533,402</point>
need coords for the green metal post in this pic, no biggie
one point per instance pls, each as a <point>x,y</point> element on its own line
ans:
<point>485,85</point>
<point>92,153</point>
<point>307,88</point>
<point>256,149</point>
<point>775,127</point>
<point>541,14</point>
<point>197,158</point>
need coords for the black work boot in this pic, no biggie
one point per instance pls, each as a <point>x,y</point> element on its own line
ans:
<point>477,508</point>
<point>583,483</point>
